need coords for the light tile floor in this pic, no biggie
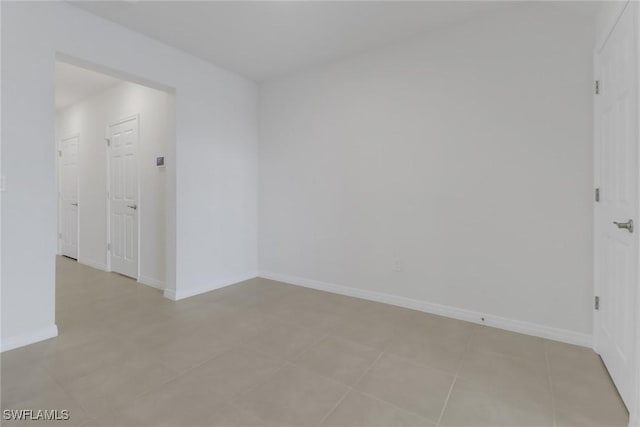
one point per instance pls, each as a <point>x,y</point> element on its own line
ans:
<point>264,353</point>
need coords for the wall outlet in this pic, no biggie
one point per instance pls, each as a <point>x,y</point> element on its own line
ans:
<point>397,266</point>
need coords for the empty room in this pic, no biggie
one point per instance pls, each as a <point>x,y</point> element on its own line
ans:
<point>320,213</point>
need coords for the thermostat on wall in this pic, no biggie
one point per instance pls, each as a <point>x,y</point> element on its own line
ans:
<point>160,162</point>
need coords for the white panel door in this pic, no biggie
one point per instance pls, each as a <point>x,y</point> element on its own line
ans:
<point>123,191</point>
<point>616,243</point>
<point>69,197</point>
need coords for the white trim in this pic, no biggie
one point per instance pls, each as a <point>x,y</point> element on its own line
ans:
<point>93,264</point>
<point>176,296</point>
<point>59,194</point>
<point>634,411</point>
<point>609,22</point>
<point>514,325</point>
<point>50,331</point>
<point>150,281</point>
<point>170,294</point>
<point>610,18</point>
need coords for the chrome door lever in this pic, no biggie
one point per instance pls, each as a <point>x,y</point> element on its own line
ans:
<point>134,207</point>
<point>74,204</point>
<point>625,225</point>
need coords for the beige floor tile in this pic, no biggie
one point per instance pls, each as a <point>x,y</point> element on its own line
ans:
<point>587,399</point>
<point>194,349</point>
<point>517,374</point>
<point>508,343</point>
<point>226,415</point>
<point>51,398</point>
<point>386,312</point>
<point>417,388</point>
<point>267,353</point>
<point>339,359</point>
<point>184,401</point>
<point>309,316</point>
<point>371,333</point>
<point>20,382</point>
<point>583,392</point>
<point>294,396</point>
<point>236,371</point>
<point>77,361</point>
<point>197,409</point>
<point>283,340</point>
<point>567,359</point>
<point>340,305</point>
<point>480,404</point>
<point>23,358</point>
<point>359,410</point>
<point>112,386</point>
<point>150,336</point>
<point>429,348</point>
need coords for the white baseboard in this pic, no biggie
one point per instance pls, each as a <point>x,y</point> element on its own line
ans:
<point>29,338</point>
<point>514,325</point>
<point>182,294</point>
<point>170,294</point>
<point>150,281</point>
<point>93,264</point>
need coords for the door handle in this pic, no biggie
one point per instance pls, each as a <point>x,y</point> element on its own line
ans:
<point>625,225</point>
<point>74,204</point>
<point>134,207</point>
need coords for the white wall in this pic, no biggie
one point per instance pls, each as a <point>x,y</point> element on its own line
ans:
<point>89,119</point>
<point>465,155</point>
<point>211,176</point>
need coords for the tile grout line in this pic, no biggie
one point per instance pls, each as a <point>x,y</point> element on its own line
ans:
<point>371,396</point>
<point>369,368</point>
<point>455,377</point>
<point>351,388</point>
<point>308,348</point>
<point>550,381</point>
<point>283,363</point>
<point>354,389</point>
<point>344,396</point>
<point>70,396</point>
<point>400,408</point>
<point>238,395</point>
<point>178,374</point>
<point>453,383</point>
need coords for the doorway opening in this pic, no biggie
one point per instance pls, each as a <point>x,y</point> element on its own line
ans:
<point>112,138</point>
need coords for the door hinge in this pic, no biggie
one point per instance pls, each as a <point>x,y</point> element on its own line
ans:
<point>108,142</point>
<point>596,303</point>
<point>597,87</point>
<point>59,153</point>
<point>597,194</point>
<point>59,235</point>
<point>108,246</point>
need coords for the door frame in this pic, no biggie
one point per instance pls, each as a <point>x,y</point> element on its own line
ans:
<point>59,193</point>
<point>107,137</point>
<point>610,21</point>
<point>634,412</point>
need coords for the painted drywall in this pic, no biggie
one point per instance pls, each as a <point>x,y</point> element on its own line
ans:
<point>89,119</point>
<point>211,171</point>
<point>463,160</point>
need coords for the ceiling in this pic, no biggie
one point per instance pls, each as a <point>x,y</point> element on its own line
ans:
<point>73,84</point>
<point>266,39</point>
